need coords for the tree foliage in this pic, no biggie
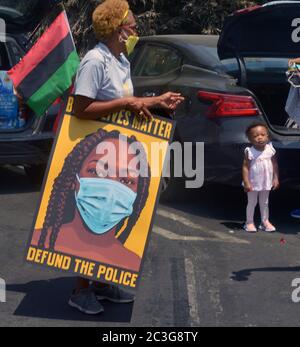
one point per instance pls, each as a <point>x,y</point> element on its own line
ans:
<point>159,16</point>
<point>153,16</point>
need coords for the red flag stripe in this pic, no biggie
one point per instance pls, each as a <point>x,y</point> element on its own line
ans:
<point>56,32</point>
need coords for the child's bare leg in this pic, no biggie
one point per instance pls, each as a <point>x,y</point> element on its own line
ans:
<point>252,202</point>
<point>264,209</point>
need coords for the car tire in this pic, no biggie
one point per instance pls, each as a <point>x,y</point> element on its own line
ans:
<point>172,188</point>
<point>35,173</point>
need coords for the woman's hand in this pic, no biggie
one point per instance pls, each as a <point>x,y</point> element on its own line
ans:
<point>170,101</point>
<point>139,106</point>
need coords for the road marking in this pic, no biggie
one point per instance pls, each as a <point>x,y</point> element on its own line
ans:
<point>175,237</point>
<point>167,234</point>
<point>219,236</point>
<point>192,292</point>
<point>215,297</point>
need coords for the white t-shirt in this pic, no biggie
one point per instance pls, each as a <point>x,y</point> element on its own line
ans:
<point>101,76</point>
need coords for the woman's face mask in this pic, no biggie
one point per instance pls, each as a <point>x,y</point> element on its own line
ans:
<point>130,42</point>
<point>103,203</point>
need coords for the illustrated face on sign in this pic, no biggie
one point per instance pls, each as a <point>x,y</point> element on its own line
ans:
<point>103,203</point>
<point>94,167</point>
<point>104,198</point>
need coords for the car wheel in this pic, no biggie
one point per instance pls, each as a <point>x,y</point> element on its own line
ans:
<point>172,189</point>
<point>35,173</point>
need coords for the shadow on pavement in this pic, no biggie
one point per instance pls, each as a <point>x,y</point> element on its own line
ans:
<point>227,203</point>
<point>49,299</point>
<point>14,180</point>
<point>233,226</point>
<point>244,275</point>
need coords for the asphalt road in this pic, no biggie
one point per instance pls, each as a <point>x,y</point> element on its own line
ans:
<point>201,269</point>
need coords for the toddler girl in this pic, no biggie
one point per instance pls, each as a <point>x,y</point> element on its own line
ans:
<point>260,175</point>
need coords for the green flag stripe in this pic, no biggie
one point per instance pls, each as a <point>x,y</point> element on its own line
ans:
<point>57,84</point>
<point>46,68</point>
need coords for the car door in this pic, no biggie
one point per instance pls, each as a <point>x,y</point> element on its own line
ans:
<point>154,67</point>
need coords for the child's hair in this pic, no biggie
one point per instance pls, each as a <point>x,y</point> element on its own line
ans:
<point>254,125</point>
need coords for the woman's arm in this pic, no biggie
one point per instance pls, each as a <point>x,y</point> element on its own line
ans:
<point>275,173</point>
<point>246,168</point>
<point>167,101</point>
<point>86,108</point>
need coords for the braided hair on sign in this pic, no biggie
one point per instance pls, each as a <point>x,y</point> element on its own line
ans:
<point>62,198</point>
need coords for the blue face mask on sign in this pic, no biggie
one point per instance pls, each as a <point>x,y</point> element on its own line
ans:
<point>103,203</point>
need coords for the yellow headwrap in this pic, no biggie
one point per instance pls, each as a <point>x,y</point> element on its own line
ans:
<point>125,15</point>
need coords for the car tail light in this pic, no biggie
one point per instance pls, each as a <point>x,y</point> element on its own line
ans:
<point>248,9</point>
<point>227,105</point>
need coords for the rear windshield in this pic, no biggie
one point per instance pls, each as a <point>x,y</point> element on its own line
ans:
<point>206,56</point>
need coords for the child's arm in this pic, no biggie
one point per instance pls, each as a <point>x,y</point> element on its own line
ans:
<point>246,167</point>
<point>276,173</point>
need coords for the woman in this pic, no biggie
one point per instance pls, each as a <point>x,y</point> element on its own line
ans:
<point>103,85</point>
<point>293,110</point>
<point>293,101</point>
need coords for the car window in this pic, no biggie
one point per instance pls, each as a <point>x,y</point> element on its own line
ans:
<point>205,56</point>
<point>15,52</point>
<point>157,61</point>
<point>134,55</point>
<point>17,8</point>
<point>4,61</point>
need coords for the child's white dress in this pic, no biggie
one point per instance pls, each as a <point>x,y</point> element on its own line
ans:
<point>261,167</point>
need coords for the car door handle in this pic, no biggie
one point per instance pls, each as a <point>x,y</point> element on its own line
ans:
<point>149,94</point>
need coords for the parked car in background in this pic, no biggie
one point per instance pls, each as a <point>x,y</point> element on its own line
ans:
<point>228,82</point>
<point>24,138</point>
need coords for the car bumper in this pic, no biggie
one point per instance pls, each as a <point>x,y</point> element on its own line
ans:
<point>223,163</point>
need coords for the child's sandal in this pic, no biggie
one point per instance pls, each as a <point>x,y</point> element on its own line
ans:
<point>267,230</point>
<point>251,231</point>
